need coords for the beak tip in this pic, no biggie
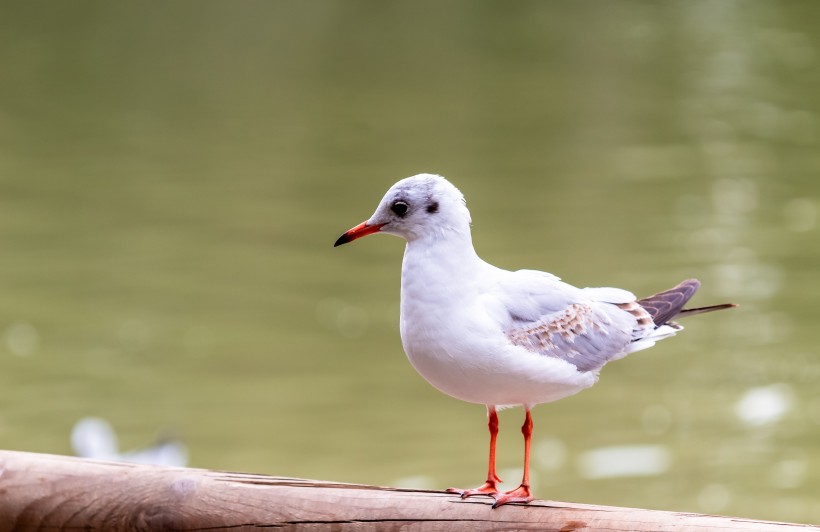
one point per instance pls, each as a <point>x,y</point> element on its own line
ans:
<point>357,232</point>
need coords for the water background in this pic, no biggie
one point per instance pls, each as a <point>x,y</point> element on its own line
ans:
<point>173,176</point>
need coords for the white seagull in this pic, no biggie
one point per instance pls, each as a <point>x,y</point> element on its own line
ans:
<point>500,338</point>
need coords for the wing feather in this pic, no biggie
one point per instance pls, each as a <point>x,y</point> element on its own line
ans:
<point>589,327</point>
<point>586,327</point>
<point>665,305</point>
<point>584,335</point>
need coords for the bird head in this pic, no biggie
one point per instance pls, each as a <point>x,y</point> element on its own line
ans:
<point>421,206</point>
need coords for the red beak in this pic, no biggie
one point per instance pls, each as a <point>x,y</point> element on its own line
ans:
<point>357,232</point>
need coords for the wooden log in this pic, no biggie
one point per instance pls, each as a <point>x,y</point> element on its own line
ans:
<point>47,492</point>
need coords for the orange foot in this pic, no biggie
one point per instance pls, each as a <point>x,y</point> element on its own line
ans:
<point>519,494</point>
<point>488,488</point>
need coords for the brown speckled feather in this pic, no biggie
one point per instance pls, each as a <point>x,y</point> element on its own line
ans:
<point>578,334</point>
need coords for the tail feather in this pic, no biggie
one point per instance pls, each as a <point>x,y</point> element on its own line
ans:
<point>668,304</point>
<point>700,310</point>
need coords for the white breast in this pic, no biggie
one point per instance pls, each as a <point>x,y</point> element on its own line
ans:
<point>453,338</point>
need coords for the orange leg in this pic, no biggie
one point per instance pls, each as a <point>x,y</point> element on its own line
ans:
<point>521,493</point>
<point>490,486</point>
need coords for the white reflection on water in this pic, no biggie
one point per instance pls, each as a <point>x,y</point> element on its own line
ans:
<point>733,196</point>
<point>624,461</point>
<point>94,437</point>
<point>416,482</point>
<point>764,405</point>
<point>549,453</point>
<point>22,338</point>
<point>789,473</point>
<point>512,476</point>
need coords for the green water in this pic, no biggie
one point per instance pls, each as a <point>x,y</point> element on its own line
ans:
<point>173,176</point>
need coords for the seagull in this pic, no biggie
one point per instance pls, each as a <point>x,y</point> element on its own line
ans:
<point>503,338</point>
<point>95,438</point>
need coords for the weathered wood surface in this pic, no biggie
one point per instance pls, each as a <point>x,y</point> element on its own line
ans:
<point>47,492</point>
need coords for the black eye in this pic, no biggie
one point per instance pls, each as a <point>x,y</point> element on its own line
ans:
<point>400,208</point>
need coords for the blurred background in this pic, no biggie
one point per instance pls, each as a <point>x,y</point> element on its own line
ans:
<point>173,176</point>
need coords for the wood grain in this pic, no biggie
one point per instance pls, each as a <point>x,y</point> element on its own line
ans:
<point>48,492</point>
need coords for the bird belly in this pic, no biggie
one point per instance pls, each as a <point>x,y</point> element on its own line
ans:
<point>492,372</point>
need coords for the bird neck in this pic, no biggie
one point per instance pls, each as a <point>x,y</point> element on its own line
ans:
<point>447,258</point>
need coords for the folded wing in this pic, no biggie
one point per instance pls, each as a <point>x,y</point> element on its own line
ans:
<point>583,326</point>
<point>591,326</point>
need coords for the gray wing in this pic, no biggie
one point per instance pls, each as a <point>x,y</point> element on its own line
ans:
<point>586,327</point>
<point>585,335</point>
